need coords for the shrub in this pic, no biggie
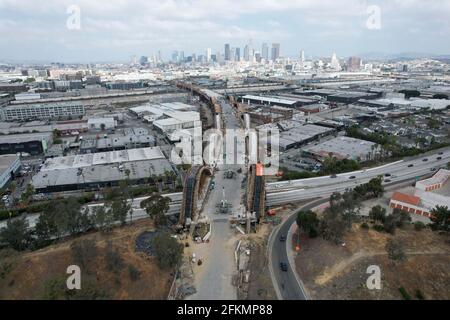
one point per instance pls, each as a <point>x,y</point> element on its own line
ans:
<point>378,227</point>
<point>404,293</point>
<point>419,295</point>
<point>364,225</point>
<point>134,273</point>
<point>419,226</point>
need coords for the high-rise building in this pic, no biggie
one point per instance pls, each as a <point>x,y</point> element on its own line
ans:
<point>302,56</point>
<point>354,64</point>
<point>208,55</point>
<point>227,52</point>
<point>258,57</point>
<point>335,65</point>
<point>175,56</point>
<point>275,51</point>
<point>265,51</point>
<point>237,55</point>
<point>143,60</point>
<point>182,56</point>
<point>247,53</point>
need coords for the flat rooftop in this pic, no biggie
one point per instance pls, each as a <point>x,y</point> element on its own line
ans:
<point>6,161</point>
<point>343,148</point>
<point>25,137</point>
<point>102,158</point>
<point>101,173</point>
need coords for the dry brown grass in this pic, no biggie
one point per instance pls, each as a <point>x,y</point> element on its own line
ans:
<point>32,269</point>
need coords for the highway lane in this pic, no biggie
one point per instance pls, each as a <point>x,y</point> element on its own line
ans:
<point>279,193</point>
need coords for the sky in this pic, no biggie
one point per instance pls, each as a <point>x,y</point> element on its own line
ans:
<point>116,30</point>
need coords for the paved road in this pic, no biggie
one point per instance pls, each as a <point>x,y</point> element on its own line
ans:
<point>214,280</point>
<point>286,283</point>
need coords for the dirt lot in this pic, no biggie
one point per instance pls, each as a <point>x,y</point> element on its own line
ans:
<point>31,270</point>
<point>260,284</point>
<point>332,271</point>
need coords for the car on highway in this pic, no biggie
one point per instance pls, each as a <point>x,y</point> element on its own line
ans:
<point>410,165</point>
<point>439,158</point>
<point>440,153</point>
<point>333,176</point>
<point>387,174</point>
<point>283,266</point>
<point>282,238</point>
<point>425,160</point>
<point>433,169</point>
<point>352,177</point>
<point>387,180</point>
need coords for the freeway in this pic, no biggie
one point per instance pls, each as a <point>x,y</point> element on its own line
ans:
<point>280,193</point>
<point>286,283</point>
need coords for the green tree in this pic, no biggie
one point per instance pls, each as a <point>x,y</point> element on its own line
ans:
<point>119,209</point>
<point>378,213</point>
<point>395,249</point>
<point>156,207</point>
<point>103,218</point>
<point>26,196</point>
<point>397,219</point>
<point>46,227</point>
<point>168,251</point>
<point>83,253</point>
<point>440,217</point>
<point>308,222</point>
<point>16,234</point>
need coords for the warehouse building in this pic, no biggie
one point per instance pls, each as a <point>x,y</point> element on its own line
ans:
<point>31,143</point>
<point>9,165</point>
<point>117,142</point>
<point>100,170</point>
<point>300,135</point>
<point>343,148</point>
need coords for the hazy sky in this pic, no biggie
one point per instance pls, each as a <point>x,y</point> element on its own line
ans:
<point>114,30</point>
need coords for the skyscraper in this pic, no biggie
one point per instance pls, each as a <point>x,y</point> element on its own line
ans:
<point>302,56</point>
<point>238,54</point>
<point>335,65</point>
<point>275,51</point>
<point>246,53</point>
<point>208,55</point>
<point>354,64</point>
<point>265,51</point>
<point>143,60</point>
<point>227,52</point>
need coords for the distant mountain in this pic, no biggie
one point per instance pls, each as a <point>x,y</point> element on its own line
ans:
<point>402,56</point>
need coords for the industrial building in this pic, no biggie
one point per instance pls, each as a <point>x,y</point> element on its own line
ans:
<point>100,124</point>
<point>9,165</point>
<point>41,111</point>
<point>343,148</point>
<point>428,194</point>
<point>31,143</point>
<point>299,134</point>
<point>117,142</point>
<point>100,170</point>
